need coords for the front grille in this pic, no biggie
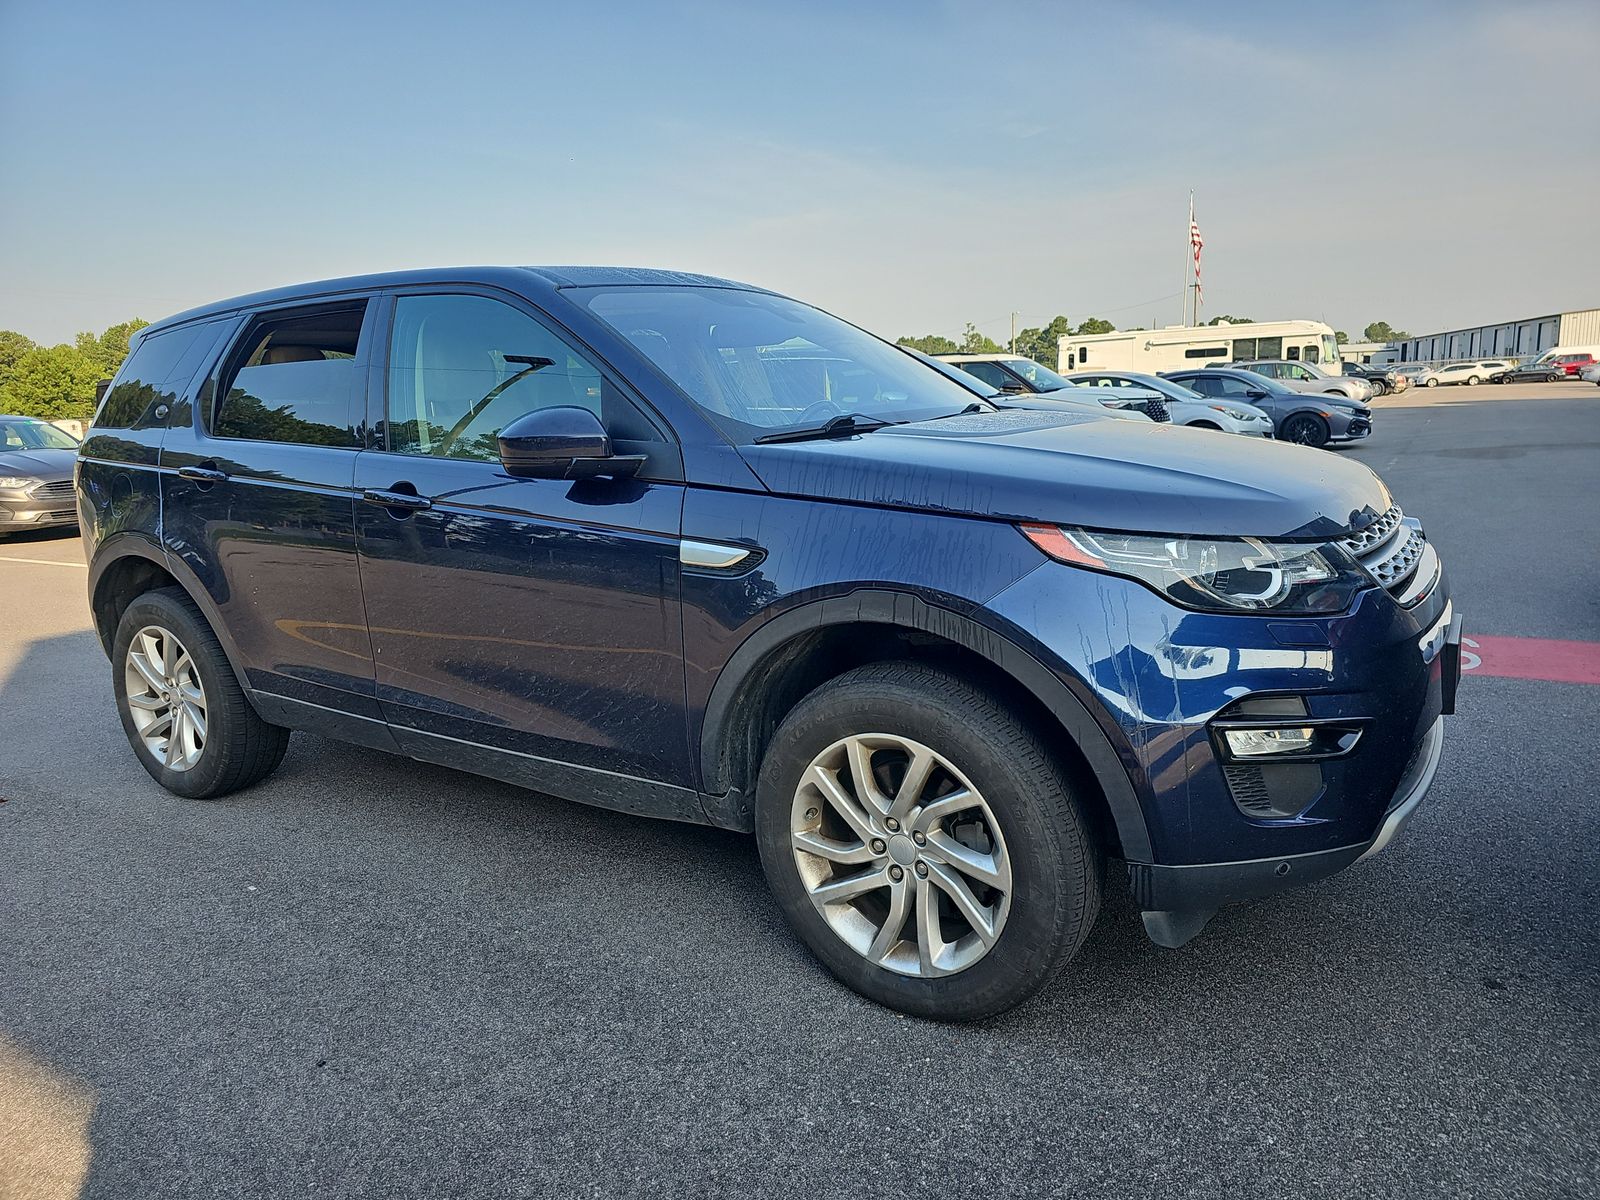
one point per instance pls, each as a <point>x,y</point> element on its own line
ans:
<point>1389,548</point>
<point>61,489</point>
<point>1249,790</point>
<point>1156,410</point>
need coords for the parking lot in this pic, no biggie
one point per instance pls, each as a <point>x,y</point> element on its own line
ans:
<point>370,976</point>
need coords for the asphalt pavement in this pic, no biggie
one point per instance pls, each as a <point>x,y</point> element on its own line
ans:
<point>370,977</point>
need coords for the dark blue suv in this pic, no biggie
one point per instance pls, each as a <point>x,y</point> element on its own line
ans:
<point>689,549</point>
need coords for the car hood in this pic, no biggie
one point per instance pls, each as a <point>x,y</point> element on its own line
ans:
<point>46,465</point>
<point>1068,469</point>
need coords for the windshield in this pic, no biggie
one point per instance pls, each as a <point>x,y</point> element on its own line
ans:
<point>34,435</point>
<point>1039,376</point>
<point>758,364</point>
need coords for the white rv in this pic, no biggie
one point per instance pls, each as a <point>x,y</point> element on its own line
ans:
<point>1178,346</point>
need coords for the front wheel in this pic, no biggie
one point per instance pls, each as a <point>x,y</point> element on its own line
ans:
<point>924,844</point>
<point>183,710</point>
<point>1205,425</point>
<point>1433,383</point>
<point>1472,381</point>
<point>1305,429</point>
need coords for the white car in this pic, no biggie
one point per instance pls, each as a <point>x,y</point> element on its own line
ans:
<point>1184,405</point>
<point>1591,373</point>
<point>1471,373</point>
<point>1101,402</point>
<point>1305,377</point>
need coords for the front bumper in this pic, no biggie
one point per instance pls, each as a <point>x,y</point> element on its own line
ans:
<point>29,512</point>
<point>1165,680</point>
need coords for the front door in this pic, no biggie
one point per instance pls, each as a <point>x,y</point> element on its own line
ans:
<point>537,618</point>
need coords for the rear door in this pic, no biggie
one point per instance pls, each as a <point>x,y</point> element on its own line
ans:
<point>258,504</point>
<point>523,627</point>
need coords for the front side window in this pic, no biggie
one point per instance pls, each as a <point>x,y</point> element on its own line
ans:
<point>1312,354</point>
<point>1294,353</point>
<point>461,368</point>
<point>991,373</point>
<point>758,364</point>
<point>1041,377</point>
<point>290,378</point>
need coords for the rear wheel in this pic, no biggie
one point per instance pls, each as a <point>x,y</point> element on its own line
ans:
<point>923,843</point>
<point>1472,381</point>
<point>1305,429</point>
<point>181,706</point>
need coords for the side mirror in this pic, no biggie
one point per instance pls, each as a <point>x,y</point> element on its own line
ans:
<point>564,442</point>
<point>1257,394</point>
<point>1014,389</point>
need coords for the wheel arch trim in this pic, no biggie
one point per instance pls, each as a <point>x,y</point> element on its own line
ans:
<point>881,607</point>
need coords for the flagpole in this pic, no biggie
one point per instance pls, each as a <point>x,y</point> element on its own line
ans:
<point>1188,263</point>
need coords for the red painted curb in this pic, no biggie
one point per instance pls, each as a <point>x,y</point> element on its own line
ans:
<point>1531,658</point>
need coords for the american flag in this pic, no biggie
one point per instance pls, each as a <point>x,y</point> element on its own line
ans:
<point>1197,242</point>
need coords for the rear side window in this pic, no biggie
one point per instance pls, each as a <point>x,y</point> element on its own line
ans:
<point>291,378</point>
<point>153,375</point>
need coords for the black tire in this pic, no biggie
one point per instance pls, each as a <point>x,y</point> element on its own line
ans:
<point>1305,429</point>
<point>239,748</point>
<point>1056,867</point>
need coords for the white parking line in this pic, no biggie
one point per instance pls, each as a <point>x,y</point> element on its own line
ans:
<point>42,562</point>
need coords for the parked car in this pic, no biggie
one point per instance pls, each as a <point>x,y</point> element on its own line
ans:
<point>1303,377</point>
<point>36,461</point>
<point>1531,372</point>
<point>1381,380</point>
<point>1571,363</point>
<point>684,548</point>
<point>1471,373</point>
<point>1018,376</point>
<point>1100,402</point>
<point>1296,417</point>
<point>1184,406</point>
<point>1590,373</point>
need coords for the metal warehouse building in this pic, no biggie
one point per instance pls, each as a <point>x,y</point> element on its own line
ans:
<point>1509,339</point>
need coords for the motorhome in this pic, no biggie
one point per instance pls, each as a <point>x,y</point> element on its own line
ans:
<point>1178,346</point>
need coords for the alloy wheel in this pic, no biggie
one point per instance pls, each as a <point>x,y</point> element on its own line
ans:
<point>166,698</point>
<point>901,855</point>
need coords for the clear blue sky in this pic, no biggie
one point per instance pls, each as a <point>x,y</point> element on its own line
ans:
<point>910,166</point>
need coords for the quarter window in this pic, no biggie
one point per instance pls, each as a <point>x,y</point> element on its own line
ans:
<point>291,377</point>
<point>991,373</point>
<point>1206,352</point>
<point>156,370</point>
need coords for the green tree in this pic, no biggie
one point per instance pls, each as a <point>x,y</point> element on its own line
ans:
<point>53,382</point>
<point>1340,336</point>
<point>13,345</point>
<point>1231,320</point>
<point>1044,345</point>
<point>58,382</point>
<point>1093,326</point>
<point>930,343</point>
<point>973,342</point>
<point>1382,331</point>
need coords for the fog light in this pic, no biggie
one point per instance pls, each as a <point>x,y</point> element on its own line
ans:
<point>1263,743</point>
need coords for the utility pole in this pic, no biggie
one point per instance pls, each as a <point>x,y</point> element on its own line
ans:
<point>1013,348</point>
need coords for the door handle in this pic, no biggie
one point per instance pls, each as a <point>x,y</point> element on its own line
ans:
<point>409,501</point>
<point>202,474</point>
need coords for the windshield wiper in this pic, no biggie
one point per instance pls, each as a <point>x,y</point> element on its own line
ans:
<point>840,426</point>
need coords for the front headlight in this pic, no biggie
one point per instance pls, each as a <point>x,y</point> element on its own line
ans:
<point>1230,575</point>
<point>16,483</point>
<point>1233,412</point>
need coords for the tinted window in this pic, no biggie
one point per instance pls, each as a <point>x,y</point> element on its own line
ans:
<point>1269,347</point>
<point>991,373</point>
<point>1204,384</point>
<point>1246,348</point>
<point>1236,388</point>
<point>1294,353</point>
<point>158,367</point>
<point>290,378</point>
<point>461,368</point>
<point>1312,354</point>
<point>1206,352</point>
